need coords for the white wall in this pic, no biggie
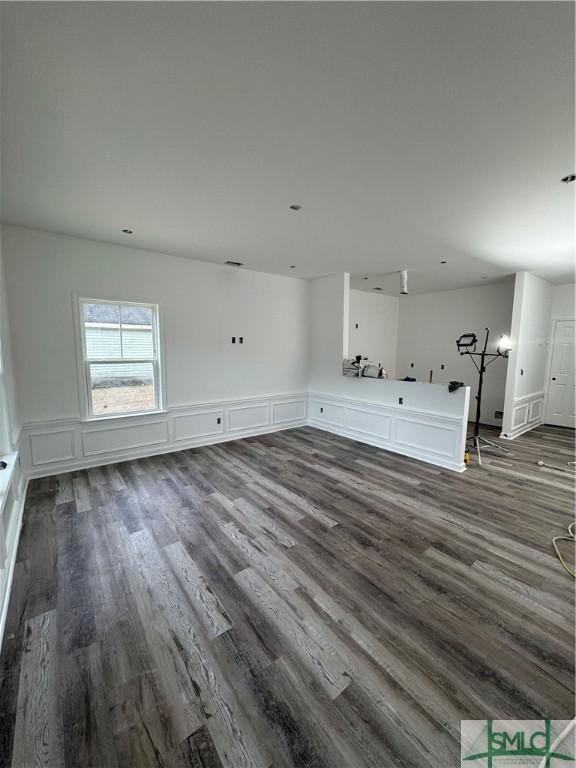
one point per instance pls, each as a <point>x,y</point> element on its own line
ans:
<point>201,307</point>
<point>9,418</point>
<point>564,302</point>
<point>376,336</point>
<point>527,367</point>
<point>429,326</point>
<point>429,424</point>
<point>11,428</point>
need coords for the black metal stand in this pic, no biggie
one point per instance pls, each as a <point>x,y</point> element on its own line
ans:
<point>484,356</point>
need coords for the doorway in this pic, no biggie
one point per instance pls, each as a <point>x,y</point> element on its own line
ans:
<point>561,408</point>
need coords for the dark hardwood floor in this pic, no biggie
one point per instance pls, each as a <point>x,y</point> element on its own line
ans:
<point>296,599</point>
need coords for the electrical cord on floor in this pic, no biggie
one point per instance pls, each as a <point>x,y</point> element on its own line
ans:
<point>558,740</point>
<point>571,537</point>
<point>570,466</point>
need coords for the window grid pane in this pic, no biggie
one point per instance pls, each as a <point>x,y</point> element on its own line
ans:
<point>122,387</point>
<point>121,357</point>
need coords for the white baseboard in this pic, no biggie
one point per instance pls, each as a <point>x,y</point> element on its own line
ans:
<point>521,431</point>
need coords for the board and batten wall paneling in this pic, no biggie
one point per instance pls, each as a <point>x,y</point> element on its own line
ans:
<point>433,438</point>
<point>56,446</point>
<point>436,438</point>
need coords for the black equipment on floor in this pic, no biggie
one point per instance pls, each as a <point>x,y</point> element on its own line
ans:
<point>467,346</point>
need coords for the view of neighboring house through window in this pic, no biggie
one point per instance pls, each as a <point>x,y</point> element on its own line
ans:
<point>120,350</point>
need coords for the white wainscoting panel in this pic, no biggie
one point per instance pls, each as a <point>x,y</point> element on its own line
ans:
<point>282,413</point>
<point>369,422</point>
<point>248,417</point>
<point>123,437</point>
<point>535,413</point>
<point>527,412</point>
<point>61,445</point>
<point>426,436</point>
<point>193,425</point>
<point>52,446</point>
<point>326,412</point>
<point>435,438</point>
<point>520,415</point>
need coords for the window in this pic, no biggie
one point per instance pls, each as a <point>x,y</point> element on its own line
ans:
<point>120,357</point>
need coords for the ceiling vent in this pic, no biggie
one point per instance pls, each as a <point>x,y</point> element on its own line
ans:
<point>234,263</point>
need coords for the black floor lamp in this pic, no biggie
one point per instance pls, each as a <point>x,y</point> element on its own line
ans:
<point>467,346</point>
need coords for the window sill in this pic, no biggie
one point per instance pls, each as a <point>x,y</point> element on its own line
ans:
<point>116,416</point>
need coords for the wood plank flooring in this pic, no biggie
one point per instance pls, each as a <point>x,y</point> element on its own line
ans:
<point>295,599</point>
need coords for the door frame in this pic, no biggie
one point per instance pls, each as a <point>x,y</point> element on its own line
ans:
<point>555,321</point>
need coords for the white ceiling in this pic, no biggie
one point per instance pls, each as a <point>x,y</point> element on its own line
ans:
<point>410,133</point>
<point>426,280</point>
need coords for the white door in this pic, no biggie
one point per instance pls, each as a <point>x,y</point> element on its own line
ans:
<point>561,408</point>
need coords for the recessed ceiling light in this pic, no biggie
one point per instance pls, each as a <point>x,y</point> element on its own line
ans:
<point>377,289</point>
<point>235,263</point>
<point>568,179</point>
<point>484,278</point>
<point>293,266</point>
<point>128,231</point>
<point>295,207</point>
<point>443,262</point>
<point>364,278</point>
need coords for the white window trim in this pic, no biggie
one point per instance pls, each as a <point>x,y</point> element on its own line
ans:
<point>83,364</point>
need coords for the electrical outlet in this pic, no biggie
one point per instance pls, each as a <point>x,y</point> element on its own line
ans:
<point>218,420</point>
<point>233,339</point>
<point>321,410</point>
<point>498,414</point>
<point>400,401</point>
<point>411,365</point>
<point>356,326</point>
<point>521,371</point>
<point>240,339</point>
<point>442,367</point>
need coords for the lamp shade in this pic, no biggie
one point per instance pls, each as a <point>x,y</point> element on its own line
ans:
<point>504,344</point>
